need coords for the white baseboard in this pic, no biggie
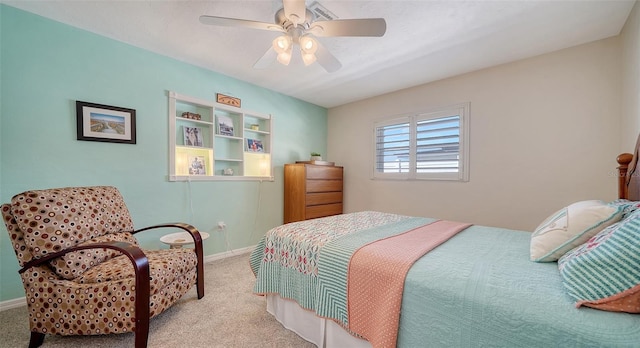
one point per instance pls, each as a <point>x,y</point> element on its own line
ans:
<point>21,301</point>
<point>15,303</point>
<point>224,255</point>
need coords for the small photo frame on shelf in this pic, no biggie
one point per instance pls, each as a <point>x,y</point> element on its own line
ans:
<point>225,125</point>
<point>192,136</point>
<point>254,145</point>
<point>97,122</point>
<point>197,166</point>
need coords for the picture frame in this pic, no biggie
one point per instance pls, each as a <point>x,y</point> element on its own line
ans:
<point>197,165</point>
<point>193,136</point>
<point>254,145</point>
<point>106,123</point>
<point>225,125</point>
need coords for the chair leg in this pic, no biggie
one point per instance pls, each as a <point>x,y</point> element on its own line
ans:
<point>36,340</point>
<point>142,313</point>
<point>200,271</point>
<point>200,280</point>
<point>143,289</point>
<point>142,334</point>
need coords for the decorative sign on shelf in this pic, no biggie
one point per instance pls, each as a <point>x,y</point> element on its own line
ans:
<point>228,100</point>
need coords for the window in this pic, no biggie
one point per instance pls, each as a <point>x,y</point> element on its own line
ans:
<point>431,145</point>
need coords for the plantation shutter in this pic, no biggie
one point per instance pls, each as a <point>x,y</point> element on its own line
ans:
<point>426,146</point>
<point>438,145</point>
<point>393,147</point>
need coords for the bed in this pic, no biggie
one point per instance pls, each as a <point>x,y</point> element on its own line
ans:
<point>333,281</point>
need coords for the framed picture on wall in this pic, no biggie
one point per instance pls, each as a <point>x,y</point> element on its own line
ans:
<point>98,122</point>
<point>193,136</point>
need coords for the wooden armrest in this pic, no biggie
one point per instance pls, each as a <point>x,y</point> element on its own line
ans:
<point>134,253</point>
<point>195,234</point>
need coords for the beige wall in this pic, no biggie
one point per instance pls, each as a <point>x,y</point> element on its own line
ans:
<point>544,133</point>
<point>631,80</point>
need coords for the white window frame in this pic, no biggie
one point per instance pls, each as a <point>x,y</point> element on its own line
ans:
<point>461,109</point>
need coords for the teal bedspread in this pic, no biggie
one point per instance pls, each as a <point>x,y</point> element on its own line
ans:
<point>478,289</point>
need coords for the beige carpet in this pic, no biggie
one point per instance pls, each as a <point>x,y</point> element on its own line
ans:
<point>229,315</point>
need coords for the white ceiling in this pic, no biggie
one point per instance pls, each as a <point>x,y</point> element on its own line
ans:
<point>425,40</point>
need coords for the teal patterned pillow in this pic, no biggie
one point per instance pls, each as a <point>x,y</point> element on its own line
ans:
<point>626,205</point>
<point>604,272</point>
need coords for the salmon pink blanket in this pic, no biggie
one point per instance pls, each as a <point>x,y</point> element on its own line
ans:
<point>376,279</point>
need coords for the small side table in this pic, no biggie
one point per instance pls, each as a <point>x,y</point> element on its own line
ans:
<point>177,240</point>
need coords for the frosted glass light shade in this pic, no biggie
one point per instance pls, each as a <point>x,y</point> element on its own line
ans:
<point>308,59</point>
<point>282,44</point>
<point>284,58</point>
<point>308,44</point>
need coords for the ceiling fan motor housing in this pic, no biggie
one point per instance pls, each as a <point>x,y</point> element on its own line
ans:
<point>282,20</point>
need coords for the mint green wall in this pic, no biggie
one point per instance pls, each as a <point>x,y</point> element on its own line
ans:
<point>46,66</point>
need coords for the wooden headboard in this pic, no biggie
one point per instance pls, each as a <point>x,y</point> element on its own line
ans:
<point>623,167</point>
<point>628,176</point>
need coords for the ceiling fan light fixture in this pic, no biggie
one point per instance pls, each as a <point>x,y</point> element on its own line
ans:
<point>284,58</point>
<point>299,27</point>
<point>308,44</point>
<point>308,58</point>
<point>282,44</point>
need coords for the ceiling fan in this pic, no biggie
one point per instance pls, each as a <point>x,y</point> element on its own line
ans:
<point>300,27</point>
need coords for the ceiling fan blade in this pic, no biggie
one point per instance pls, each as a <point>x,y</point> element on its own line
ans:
<point>266,60</point>
<point>350,27</point>
<point>295,11</point>
<point>234,22</point>
<point>326,59</point>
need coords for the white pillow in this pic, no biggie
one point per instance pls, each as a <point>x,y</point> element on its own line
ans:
<point>570,227</point>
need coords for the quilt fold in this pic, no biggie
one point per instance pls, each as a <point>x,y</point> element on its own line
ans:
<point>376,279</point>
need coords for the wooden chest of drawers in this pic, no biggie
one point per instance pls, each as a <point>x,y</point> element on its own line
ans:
<point>311,191</point>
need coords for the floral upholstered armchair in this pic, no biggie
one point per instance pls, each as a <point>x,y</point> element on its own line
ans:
<point>82,269</point>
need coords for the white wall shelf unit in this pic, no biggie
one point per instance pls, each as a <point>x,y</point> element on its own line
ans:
<point>212,141</point>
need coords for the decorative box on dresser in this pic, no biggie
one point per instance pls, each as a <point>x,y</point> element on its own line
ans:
<point>311,190</point>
